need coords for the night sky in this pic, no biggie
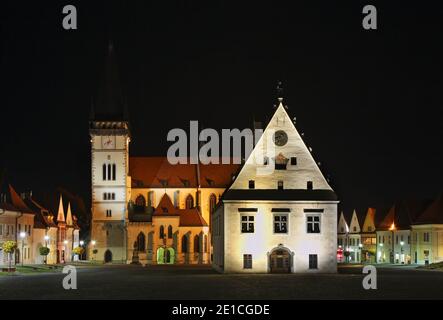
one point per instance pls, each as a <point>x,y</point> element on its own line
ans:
<point>368,101</point>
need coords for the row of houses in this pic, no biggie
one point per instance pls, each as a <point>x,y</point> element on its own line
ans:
<point>32,226</point>
<point>407,232</point>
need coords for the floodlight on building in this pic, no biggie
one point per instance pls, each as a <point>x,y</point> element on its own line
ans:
<point>402,243</point>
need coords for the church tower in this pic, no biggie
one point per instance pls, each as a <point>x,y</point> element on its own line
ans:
<point>110,138</point>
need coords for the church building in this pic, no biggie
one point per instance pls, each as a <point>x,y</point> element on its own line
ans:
<point>144,209</point>
<point>282,220</point>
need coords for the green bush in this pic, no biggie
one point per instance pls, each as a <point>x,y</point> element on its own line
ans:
<point>44,251</point>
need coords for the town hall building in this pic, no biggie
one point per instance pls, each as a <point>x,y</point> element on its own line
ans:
<point>282,220</point>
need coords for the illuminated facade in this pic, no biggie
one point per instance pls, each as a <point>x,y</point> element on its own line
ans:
<point>145,210</point>
<point>427,234</point>
<point>21,215</point>
<point>279,221</point>
<point>349,239</point>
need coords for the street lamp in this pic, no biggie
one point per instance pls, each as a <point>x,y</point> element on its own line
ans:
<point>64,250</point>
<point>81,245</point>
<point>93,242</point>
<point>23,236</point>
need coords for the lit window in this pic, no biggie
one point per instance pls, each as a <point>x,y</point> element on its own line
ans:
<point>313,223</point>
<point>189,202</point>
<point>281,223</point>
<point>247,224</point>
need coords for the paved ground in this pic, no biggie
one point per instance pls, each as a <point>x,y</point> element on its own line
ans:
<point>174,282</point>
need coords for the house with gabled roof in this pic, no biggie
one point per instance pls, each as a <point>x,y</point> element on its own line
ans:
<point>369,237</point>
<point>280,213</point>
<point>32,226</point>
<point>427,234</point>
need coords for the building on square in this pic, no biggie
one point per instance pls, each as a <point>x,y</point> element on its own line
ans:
<point>279,220</point>
<point>144,209</point>
<point>32,226</point>
<point>427,234</point>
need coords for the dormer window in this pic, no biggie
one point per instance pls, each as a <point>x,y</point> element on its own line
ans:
<point>251,184</point>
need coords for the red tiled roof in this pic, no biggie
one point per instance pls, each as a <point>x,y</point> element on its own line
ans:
<point>191,218</point>
<point>18,202</point>
<point>188,217</point>
<point>157,172</point>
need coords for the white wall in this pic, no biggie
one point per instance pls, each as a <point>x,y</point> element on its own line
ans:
<point>263,240</point>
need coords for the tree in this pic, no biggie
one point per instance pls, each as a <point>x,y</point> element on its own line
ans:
<point>78,251</point>
<point>44,251</point>
<point>9,247</point>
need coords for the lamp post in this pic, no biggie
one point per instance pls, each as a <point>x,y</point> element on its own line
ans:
<point>401,256</point>
<point>23,236</point>
<point>46,244</point>
<point>381,245</point>
<point>81,245</point>
<point>64,250</point>
<point>93,242</point>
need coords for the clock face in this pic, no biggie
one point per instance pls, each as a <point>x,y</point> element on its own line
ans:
<point>280,138</point>
<point>108,142</point>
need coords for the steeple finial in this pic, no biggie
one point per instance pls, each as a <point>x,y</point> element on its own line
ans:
<point>280,91</point>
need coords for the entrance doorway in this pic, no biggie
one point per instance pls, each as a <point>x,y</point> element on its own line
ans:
<point>108,256</point>
<point>280,261</point>
<point>165,255</point>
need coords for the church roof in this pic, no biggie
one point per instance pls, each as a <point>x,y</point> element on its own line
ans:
<point>157,172</point>
<point>188,217</point>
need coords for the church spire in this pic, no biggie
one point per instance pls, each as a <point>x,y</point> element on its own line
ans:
<point>61,211</point>
<point>109,104</point>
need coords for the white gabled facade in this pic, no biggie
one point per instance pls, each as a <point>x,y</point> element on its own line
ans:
<point>280,216</point>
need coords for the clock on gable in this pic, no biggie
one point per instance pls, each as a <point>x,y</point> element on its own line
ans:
<point>280,138</point>
<point>108,142</point>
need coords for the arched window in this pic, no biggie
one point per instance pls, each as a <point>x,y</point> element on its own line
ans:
<point>162,232</point>
<point>109,172</point>
<point>104,171</point>
<point>184,244</point>
<point>141,242</point>
<point>170,232</point>
<point>196,243</point>
<point>114,171</point>
<point>105,196</point>
<point>189,202</point>
<point>113,196</point>
<point>140,201</point>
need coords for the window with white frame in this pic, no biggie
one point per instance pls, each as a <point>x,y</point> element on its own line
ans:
<point>280,223</point>
<point>247,223</point>
<point>313,223</point>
